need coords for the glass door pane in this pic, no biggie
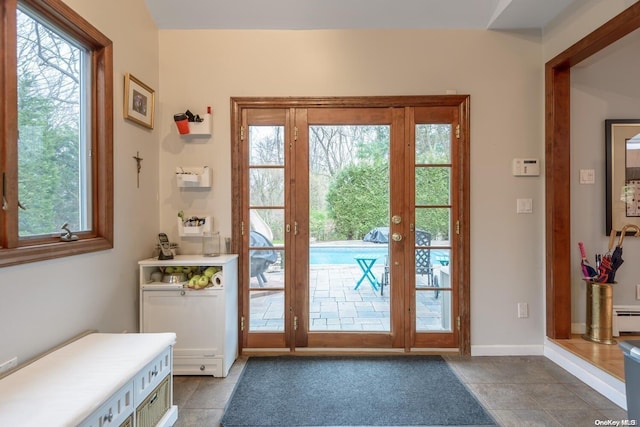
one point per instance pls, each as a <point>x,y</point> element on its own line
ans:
<point>349,228</point>
<point>266,229</point>
<point>433,213</point>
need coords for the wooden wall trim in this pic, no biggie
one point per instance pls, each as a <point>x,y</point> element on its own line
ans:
<point>558,203</point>
<point>558,165</point>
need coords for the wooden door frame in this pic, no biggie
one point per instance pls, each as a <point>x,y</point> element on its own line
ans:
<point>558,165</point>
<point>462,102</point>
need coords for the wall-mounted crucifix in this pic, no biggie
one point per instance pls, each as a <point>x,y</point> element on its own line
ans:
<point>138,160</point>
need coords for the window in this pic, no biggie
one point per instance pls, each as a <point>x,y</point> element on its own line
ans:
<point>56,137</point>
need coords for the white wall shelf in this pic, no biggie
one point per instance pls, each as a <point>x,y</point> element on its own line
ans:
<point>194,230</point>
<point>200,129</point>
<point>193,176</point>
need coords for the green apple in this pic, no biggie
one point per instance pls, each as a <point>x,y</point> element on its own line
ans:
<point>178,269</point>
<point>169,270</point>
<point>209,272</point>
<point>193,282</point>
<point>203,281</point>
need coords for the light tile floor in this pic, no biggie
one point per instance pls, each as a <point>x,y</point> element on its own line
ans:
<point>517,390</point>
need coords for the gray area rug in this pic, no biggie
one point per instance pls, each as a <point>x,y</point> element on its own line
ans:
<point>352,391</point>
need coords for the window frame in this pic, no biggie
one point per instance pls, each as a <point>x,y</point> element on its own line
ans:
<point>15,250</point>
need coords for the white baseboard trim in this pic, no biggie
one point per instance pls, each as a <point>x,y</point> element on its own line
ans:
<point>604,383</point>
<point>507,350</point>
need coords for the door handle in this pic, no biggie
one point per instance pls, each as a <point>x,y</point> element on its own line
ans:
<point>396,237</point>
<point>396,219</point>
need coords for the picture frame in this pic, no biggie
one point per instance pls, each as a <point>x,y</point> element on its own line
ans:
<point>139,101</point>
<point>622,142</point>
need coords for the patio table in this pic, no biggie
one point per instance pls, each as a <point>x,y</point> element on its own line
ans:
<point>366,263</point>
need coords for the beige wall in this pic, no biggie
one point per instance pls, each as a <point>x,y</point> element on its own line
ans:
<point>578,21</point>
<point>44,303</point>
<point>47,302</point>
<point>502,72</point>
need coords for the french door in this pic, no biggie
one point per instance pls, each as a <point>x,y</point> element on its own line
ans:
<point>350,218</point>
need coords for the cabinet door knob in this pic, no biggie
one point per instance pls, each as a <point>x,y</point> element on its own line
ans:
<point>183,293</point>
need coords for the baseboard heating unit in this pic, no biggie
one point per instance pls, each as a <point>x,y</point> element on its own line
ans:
<point>626,318</point>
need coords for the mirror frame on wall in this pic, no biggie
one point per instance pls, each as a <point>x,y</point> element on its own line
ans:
<point>557,174</point>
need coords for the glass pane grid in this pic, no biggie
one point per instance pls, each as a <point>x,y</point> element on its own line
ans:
<point>433,144</point>
<point>266,145</point>
<point>266,311</point>
<point>433,310</point>
<point>432,192</point>
<point>53,172</point>
<point>266,187</point>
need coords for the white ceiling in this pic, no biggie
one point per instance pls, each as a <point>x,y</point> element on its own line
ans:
<point>356,14</point>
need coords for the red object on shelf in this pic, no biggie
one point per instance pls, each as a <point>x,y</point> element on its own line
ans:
<point>182,122</point>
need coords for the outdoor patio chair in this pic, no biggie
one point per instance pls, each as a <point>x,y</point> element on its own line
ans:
<point>423,263</point>
<point>260,259</point>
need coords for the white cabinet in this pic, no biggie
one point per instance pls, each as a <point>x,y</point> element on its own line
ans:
<point>204,320</point>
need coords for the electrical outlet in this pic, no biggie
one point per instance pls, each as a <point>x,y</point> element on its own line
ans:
<point>638,292</point>
<point>523,310</point>
<point>9,364</point>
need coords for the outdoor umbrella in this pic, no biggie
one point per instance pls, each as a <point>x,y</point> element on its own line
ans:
<point>377,235</point>
<point>616,255</point>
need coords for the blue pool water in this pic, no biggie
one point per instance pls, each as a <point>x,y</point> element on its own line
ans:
<point>347,254</point>
<point>343,254</point>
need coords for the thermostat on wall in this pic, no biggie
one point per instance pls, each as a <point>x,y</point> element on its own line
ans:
<point>526,167</point>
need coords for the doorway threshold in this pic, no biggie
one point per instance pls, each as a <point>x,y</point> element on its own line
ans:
<point>586,370</point>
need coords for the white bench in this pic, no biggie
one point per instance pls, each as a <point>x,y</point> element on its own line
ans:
<point>98,380</point>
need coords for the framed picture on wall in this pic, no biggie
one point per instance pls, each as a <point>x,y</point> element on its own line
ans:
<point>622,139</point>
<point>139,101</point>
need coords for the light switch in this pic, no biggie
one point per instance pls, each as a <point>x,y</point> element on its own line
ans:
<point>587,176</point>
<point>524,206</point>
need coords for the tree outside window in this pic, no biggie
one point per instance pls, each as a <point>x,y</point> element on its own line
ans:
<point>56,133</point>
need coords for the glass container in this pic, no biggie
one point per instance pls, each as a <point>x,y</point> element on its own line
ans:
<point>210,243</point>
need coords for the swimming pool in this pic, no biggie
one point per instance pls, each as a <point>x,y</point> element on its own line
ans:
<point>343,254</point>
<point>346,254</point>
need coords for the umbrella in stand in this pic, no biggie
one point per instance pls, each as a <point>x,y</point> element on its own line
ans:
<point>616,255</point>
<point>605,268</point>
<point>588,271</point>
